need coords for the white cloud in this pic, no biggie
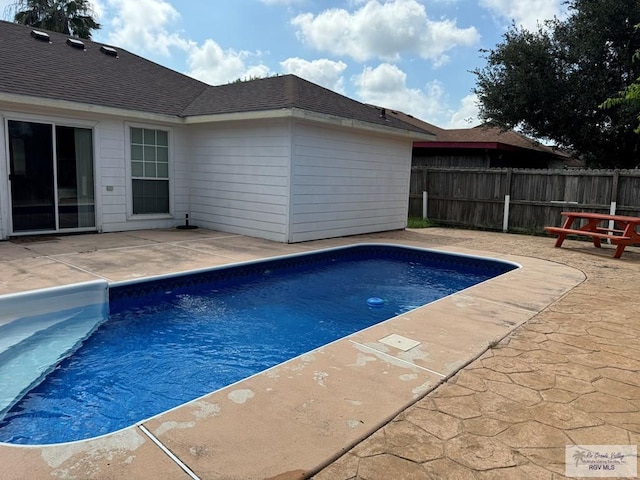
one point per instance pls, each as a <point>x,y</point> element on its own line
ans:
<point>467,114</point>
<point>149,27</point>
<point>386,86</point>
<point>526,13</point>
<point>142,26</point>
<point>212,64</point>
<point>327,73</point>
<point>281,2</point>
<point>98,9</point>
<point>383,30</point>
<point>6,13</point>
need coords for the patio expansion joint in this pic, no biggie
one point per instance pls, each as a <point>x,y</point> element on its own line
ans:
<point>110,249</point>
<point>149,244</point>
<point>204,252</point>
<point>396,359</point>
<point>503,303</point>
<point>168,452</point>
<point>212,237</point>
<point>75,267</point>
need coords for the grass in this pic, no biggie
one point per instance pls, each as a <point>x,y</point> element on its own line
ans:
<point>417,222</point>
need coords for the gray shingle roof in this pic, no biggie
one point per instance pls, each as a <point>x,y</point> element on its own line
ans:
<point>285,92</point>
<point>58,71</point>
<point>479,135</point>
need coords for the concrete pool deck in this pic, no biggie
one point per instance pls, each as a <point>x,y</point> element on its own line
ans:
<point>563,368</point>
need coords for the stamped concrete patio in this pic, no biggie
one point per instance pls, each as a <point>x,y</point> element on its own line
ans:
<point>568,375</point>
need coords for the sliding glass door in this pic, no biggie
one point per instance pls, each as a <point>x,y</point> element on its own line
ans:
<point>74,161</point>
<point>31,176</point>
<point>51,176</point>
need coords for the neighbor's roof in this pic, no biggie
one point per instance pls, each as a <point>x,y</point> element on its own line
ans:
<point>489,134</point>
<point>55,70</point>
<point>481,136</point>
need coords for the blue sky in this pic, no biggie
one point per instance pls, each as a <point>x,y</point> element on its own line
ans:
<point>410,55</point>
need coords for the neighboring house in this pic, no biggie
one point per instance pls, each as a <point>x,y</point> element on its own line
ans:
<point>94,138</point>
<point>483,146</point>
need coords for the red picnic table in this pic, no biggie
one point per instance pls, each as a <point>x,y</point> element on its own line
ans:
<point>624,231</point>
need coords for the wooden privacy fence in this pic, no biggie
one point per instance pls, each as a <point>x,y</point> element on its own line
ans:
<point>519,199</point>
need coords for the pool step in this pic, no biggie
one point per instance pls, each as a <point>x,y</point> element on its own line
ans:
<point>53,324</point>
<point>24,364</point>
<point>16,332</point>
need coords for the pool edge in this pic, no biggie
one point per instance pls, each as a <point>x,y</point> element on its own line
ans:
<point>67,452</point>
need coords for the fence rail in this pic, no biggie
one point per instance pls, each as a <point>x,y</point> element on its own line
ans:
<point>519,199</point>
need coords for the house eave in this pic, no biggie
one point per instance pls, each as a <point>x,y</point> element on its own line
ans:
<point>235,116</point>
<point>362,125</point>
<point>12,101</point>
<point>307,115</point>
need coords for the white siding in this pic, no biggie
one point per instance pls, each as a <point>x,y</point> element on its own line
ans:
<point>240,177</point>
<point>114,184</point>
<point>181,189</point>
<point>285,180</point>
<point>111,175</point>
<point>347,183</point>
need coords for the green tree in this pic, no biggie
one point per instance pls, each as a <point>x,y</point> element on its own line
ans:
<point>73,17</point>
<point>550,83</point>
<point>629,97</point>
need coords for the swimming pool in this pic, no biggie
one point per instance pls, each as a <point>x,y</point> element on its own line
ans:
<point>275,298</point>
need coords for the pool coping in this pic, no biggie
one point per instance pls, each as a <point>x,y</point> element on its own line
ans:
<point>325,395</point>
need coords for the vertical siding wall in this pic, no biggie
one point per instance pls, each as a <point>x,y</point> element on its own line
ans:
<point>347,183</point>
<point>240,177</point>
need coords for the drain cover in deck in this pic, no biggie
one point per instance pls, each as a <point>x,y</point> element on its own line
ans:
<point>398,341</point>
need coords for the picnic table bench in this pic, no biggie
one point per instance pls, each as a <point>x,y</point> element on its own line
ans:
<point>623,232</point>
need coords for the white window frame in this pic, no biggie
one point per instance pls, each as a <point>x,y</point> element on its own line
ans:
<point>129,176</point>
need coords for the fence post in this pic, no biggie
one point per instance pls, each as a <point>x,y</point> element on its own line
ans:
<point>612,211</point>
<point>507,182</point>
<point>425,197</point>
<point>505,218</point>
<point>614,186</point>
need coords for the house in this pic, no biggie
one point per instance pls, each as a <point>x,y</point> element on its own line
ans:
<point>95,138</point>
<point>483,146</point>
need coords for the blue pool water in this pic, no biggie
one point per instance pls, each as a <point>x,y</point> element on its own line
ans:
<point>171,340</point>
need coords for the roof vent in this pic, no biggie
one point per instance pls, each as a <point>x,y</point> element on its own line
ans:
<point>38,35</point>
<point>75,43</point>
<point>112,52</point>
